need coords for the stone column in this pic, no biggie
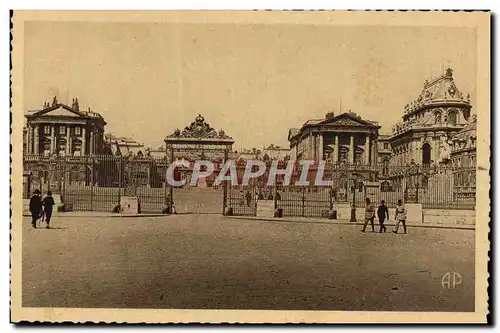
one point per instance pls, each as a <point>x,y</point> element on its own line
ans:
<point>435,151</point>
<point>351,150</point>
<point>36,140</point>
<point>321,154</point>
<point>84,141</point>
<point>417,154</point>
<point>367,149</point>
<point>336,151</point>
<point>315,147</point>
<point>29,139</point>
<point>68,142</point>
<point>375,151</point>
<point>91,148</point>
<point>310,150</point>
<point>52,140</point>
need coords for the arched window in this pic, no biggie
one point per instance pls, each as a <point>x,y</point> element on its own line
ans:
<point>426,154</point>
<point>452,118</point>
<point>437,117</point>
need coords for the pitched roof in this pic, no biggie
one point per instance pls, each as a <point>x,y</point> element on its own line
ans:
<point>349,119</point>
<point>68,111</point>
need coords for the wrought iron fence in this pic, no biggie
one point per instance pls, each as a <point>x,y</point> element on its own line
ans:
<point>97,183</point>
<point>243,199</point>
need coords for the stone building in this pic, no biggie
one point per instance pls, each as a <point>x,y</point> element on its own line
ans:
<point>429,122</point>
<point>463,159</point>
<point>274,152</point>
<point>123,146</point>
<point>246,154</point>
<point>58,129</point>
<point>384,154</point>
<point>342,139</point>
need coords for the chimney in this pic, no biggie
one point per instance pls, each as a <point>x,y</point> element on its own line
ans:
<point>77,105</point>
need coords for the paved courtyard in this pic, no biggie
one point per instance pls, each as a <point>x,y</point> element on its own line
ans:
<point>209,261</point>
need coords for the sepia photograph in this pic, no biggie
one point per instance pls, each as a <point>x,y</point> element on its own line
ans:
<point>250,166</point>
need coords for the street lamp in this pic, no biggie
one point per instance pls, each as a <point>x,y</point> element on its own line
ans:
<point>353,207</point>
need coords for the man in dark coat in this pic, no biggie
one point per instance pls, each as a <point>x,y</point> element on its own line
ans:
<point>382,213</point>
<point>35,207</point>
<point>48,203</point>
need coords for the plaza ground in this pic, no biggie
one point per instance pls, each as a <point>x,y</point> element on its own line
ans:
<point>215,262</point>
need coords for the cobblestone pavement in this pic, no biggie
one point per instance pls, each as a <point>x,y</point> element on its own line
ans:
<point>208,261</point>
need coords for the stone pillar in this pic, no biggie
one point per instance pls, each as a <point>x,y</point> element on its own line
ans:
<point>84,141</point>
<point>68,141</point>
<point>351,150</point>
<point>52,140</point>
<point>91,148</point>
<point>367,149</point>
<point>315,147</point>
<point>336,151</point>
<point>321,153</point>
<point>36,140</point>
<point>435,151</point>
<point>29,139</point>
<point>417,154</point>
<point>375,151</point>
<point>310,150</point>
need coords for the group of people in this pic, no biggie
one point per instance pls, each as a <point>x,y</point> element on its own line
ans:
<point>382,213</point>
<point>41,208</point>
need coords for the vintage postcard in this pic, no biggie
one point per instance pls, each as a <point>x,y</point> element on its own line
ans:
<point>250,166</point>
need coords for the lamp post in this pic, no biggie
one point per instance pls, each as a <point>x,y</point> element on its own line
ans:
<point>353,207</point>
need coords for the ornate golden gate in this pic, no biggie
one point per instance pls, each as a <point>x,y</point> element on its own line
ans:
<point>197,141</point>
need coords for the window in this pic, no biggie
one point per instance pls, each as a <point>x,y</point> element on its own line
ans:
<point>437,117</point>
<point>46,129</point>
<point>386,145</point>
<point>452,118</point>
<point>78,130</point>
<point>62,129</point>
<point>426,154</point>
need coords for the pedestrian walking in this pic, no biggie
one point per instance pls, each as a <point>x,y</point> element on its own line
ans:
<point>48,204</point>
<point>400,216</point>
<point>382,213</point>
<point>35,207</point>
<point>369,215</point>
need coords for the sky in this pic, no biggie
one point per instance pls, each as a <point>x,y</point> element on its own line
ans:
<point>255,81</point>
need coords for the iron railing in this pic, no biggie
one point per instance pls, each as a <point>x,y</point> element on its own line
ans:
<point>97,183</point>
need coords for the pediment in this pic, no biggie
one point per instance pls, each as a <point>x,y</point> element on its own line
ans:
<point>347,121</point>
<point>62,111</point>
<point>58,110</point>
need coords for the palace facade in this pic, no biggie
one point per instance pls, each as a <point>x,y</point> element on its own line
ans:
<point>342,139</point>
<point>463,159</point>
<point>425,134</point>
<point>58,129</point>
